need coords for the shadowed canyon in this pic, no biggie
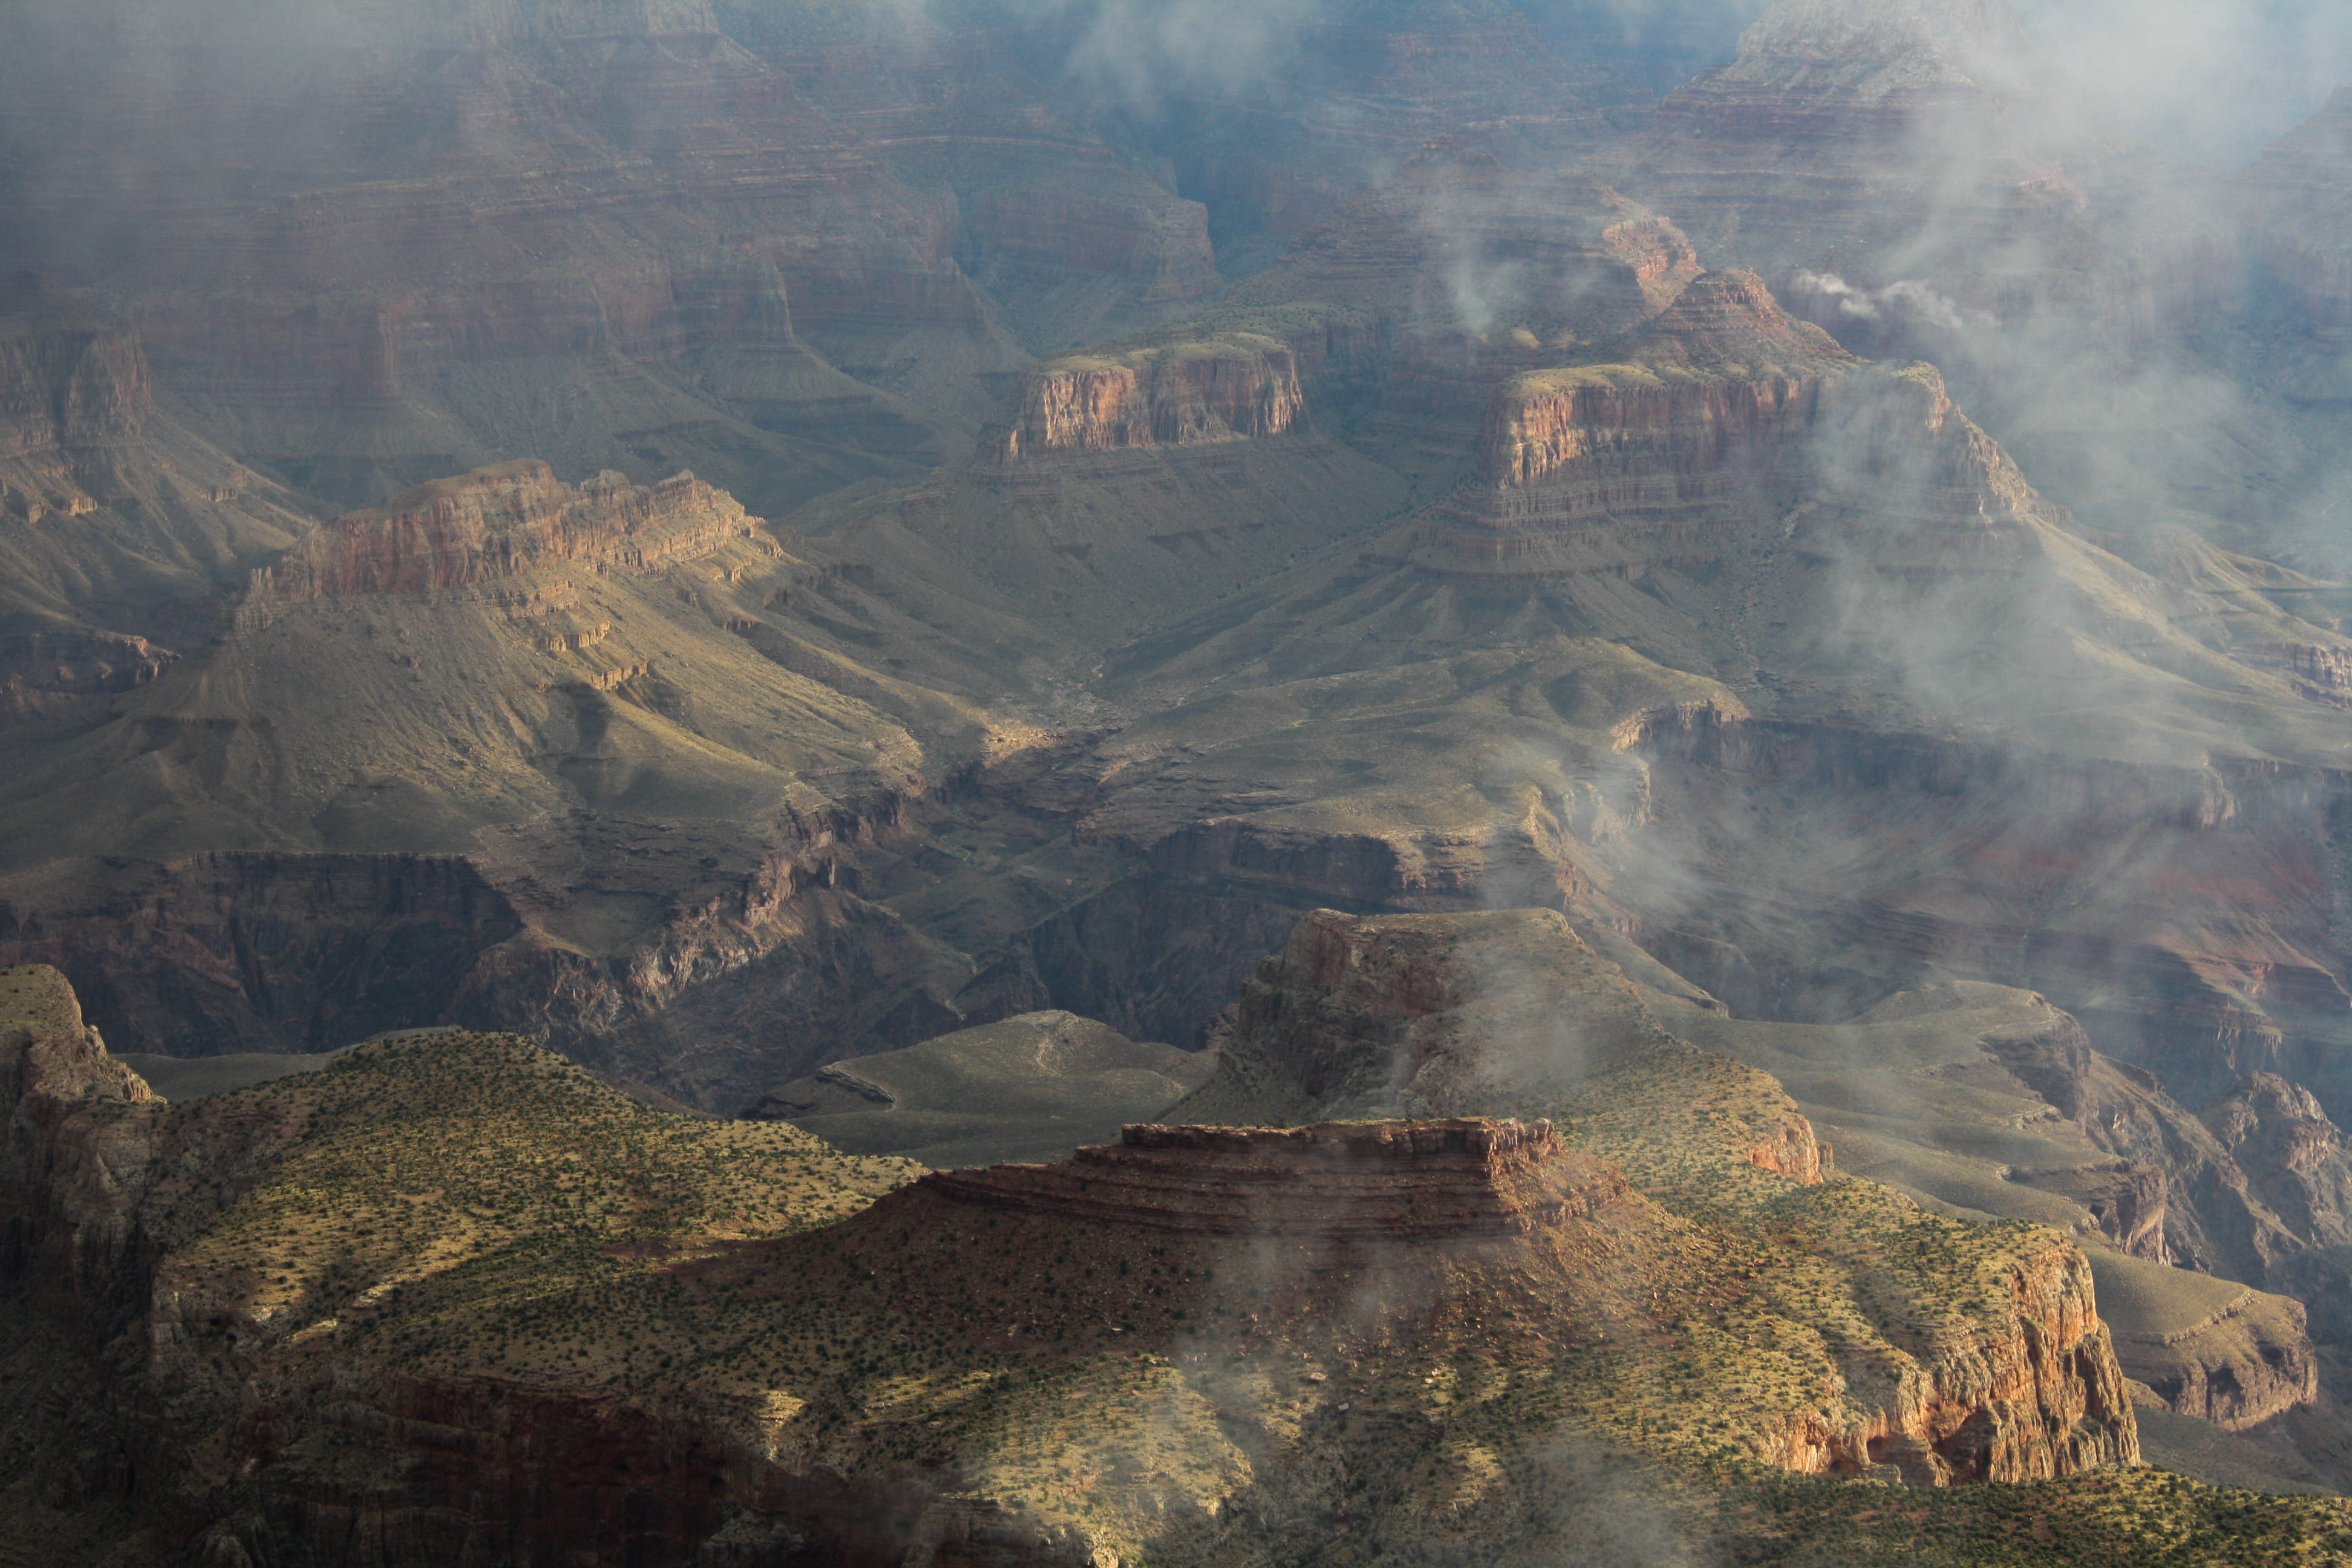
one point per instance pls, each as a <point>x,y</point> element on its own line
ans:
<point>995,782</point>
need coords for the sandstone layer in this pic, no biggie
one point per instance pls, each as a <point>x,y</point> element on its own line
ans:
<point>503,523</point>
<point>1340,1180</point>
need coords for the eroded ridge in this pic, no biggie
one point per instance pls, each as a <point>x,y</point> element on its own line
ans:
<point>1460,1177</point>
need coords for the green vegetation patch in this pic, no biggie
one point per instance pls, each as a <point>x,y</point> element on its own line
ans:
<point>427,1196</point>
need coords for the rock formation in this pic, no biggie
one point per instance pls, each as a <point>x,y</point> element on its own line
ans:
<point>120,529</point>
<point>1354,1180</point>
<point>1224,389</point>
<point>503,523</point>
<point>674,1356</point>
<point>414,293</point>
<point>1482,271</point>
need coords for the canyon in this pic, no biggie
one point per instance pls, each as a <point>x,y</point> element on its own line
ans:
<point>692,1358</point>
<point>1668,660</point>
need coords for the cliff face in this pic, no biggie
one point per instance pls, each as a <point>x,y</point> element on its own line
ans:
<point>66,389</point>
<point>502,522</point>
<point>1484,272</point>
<point>79,1137</point>
<point>375,306</point>
<point>1660,429</point>
<point>120,531</point>
<point>2038,1395</point>
<point>544,1352</point>
<point>1359,1180</point>
<point>1720,412</point>
<point>1221,390</point>
<point>1857,149</point>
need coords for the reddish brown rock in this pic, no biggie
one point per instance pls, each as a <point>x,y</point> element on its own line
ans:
<point>1655,451</point>
<point>69,388</point>
<point>2037,1396</point>
<point>1226,388</point>
<point>500,523</point>
<point>1355,1180</point>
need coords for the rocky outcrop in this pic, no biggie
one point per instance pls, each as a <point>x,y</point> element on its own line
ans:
<point>63,676</point>
<point>344,1396</point>
<point>74,1163</point>
<point>1359,1179</point>
<point>1484,272</point>
<point>1463,1014</point>
<point>2247,1362</point>
<point>1884,152</point>
<point>502,522</point>
<point>2036,1393</point>
<point>1222,389</point>
<point>1720,374</point>
<point>258,952</point>
<point>1655,455</point>
<point>68,387</point>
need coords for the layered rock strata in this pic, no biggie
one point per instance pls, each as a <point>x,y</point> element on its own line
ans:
<point>502,522</point>
<point>1483,272</point>
<point>1354,1180</point>
<point>1468,1015</point>
<point>652,1346</point>
<point>1923,186</point>
<point>120,531</point>
<point>69,387</point>
<point>1221,390</point>
<point>1663,457</point>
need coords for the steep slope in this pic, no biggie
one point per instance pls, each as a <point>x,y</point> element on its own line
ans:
<point>1480,270</point>
<point>1189,1345</point>
<point>1979,1100</point>
<point>1916,179</point>
<point>124,532</point>
<point>1698,583</point>
<point>510,750</point>
<point>1421,1336</point>
<point>1922,143</point>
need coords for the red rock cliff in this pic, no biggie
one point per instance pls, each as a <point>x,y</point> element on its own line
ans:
<point>500,522</point>
<point>2030,1391</point>
<point>1421,1179</point>
<point>68,388</point>
<point>1222,389</point>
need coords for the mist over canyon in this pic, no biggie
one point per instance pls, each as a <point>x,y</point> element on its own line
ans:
<point>1163,781</point>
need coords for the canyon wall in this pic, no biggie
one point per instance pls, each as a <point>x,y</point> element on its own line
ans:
<point>66,388</point>
<point>502,522</point>
<point>1351,1181</point>
<point>1234,389</point>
